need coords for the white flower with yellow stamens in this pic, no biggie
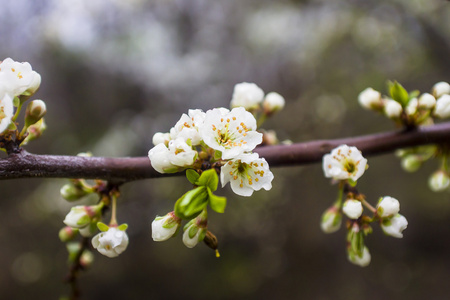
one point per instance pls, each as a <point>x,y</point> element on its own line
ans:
<point>18,77</point>
<point>344,162</point>
<point>188,125</point>
<point>247,173</point>
<point>181,154</point>
<point>232,133</point>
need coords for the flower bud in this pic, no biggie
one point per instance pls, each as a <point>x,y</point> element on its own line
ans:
<point>80,216</point>
<point>35,131</point>
<point>363,260</point>
<point>427,101</point>
<point>411,162</point>
<point>442,108</point>
<point>86,259</point>
<point>352,208</point>
<point>163,228</point>
<point>67,234</point>
<point>36,109</point>
<point>247,95</point>
<point>412,106</point>
<point>394,226</point>
<point>273,102</point>
<point>392,108</point>
<point>195,230</point>
<point>269,137</point>
<point>388,207</point>
<point>331,220</point>
<point>439,181</point>
<point>441,88</point>
<point>71,192</point>
<point>112,242</point>
<point>370,99</point>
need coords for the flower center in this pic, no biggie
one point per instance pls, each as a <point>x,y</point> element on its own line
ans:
<point>349,166</point>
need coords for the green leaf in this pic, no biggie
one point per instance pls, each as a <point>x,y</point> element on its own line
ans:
<point>209,179</point>
<point>398,93</point>
<point>414,94</point>
<point>217,203</point>
<point>102,226</point>
<point>123,227</point>
<point>192,176</point>
<point>191,203</point>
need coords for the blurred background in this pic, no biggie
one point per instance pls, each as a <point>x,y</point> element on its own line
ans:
<point>115,72</point>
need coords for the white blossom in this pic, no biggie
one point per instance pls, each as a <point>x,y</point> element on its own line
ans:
<point>273,102</point>
<point>18,78</point>
<point>188,125</point>
<point>344,162</point>
<point>161,138</point>
<point>247,95</point>
<point>395,226</point>
<point>165,227</point>
<point>439,181</point>
<point>441,88</point>
<point>180,153</point>
<point>232,133</point>
<point>111,243</point>
<point>388,207</point>
<point>370,98</point>
<point>6,111</point>
<point>159,158</point>
<point>442,108</point>
<point>427,101</point>
<point>352,208</point>
<point>193,235</point>
<point>247,173</point>
<point>362,261</point>
<point>392,108</point>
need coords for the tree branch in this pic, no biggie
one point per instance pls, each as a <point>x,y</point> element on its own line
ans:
<point>124,169</point>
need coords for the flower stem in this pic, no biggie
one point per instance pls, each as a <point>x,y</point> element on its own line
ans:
<point>113,221</point>
<point>16,115</point>
<point>367,204</point>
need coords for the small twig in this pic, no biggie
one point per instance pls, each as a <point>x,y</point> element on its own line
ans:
<point>72,277</point>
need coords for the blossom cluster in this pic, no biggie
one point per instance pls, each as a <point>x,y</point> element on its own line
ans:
<point>18,82</point>
<point>409,108</point>
<point>346,165</point>
<point>203,142</point>
<point>221,136</point>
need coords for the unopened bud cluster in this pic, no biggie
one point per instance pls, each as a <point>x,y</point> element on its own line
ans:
<point>345,165</point>
<point>409,109</point>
